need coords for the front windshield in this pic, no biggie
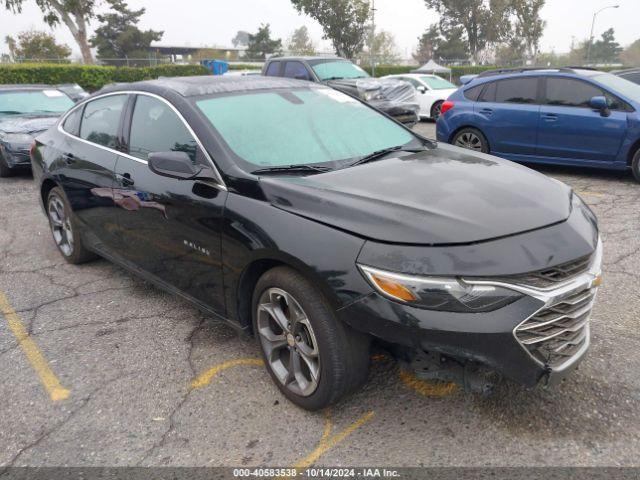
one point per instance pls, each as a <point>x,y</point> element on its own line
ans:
<point>338,69</point>
<point>34,102</point>
<point>619,86</point>
<point>317,126</point>
<point>437,83</point>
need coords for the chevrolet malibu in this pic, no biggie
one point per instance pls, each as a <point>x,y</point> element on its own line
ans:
<point>301,215</point>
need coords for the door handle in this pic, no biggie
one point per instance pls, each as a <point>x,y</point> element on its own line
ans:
<point>486,111</point>
<point>125,179</point>
<point>550,117</point>
<point>69,159</point>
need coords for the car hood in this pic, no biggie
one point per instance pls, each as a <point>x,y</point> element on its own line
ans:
<point>441,196</point>
<point>32,125</point>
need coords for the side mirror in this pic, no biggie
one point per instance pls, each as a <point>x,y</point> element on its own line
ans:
<point>178,165</point>
<point>600,103</point>
<point>422,89</point>
<point>301,77</point>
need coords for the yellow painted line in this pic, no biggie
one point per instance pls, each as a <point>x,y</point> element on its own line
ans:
<point>427,388</point>
<point>48,379</point>
<point>327,442</point>
<point>589,194</point>
<point>205,378</point>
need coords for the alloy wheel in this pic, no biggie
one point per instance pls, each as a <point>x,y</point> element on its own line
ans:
<point>289,342</point>
<point>60,225</point>
<point>469,140</point>
<point>437,109</point>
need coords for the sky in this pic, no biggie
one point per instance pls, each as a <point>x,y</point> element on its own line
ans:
<point>215,22</point>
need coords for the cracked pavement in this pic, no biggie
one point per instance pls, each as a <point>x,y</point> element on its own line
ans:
<point>128,352</point>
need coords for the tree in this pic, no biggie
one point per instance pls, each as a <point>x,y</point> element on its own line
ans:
<point>631,55</point>
<point>261,44</point>
<point>118,35</point>
<point>300,43</point>
<point>382,47</point>
<point>484,22</point>
<point>511,53</point>
<point>606,50</point>
<point>33,44</point>
<point>241,39</point>
<point>344,22</point>
<point>427,45</point>
<point>529,27</point>
<point>75,14</point>
<point>452,45</point>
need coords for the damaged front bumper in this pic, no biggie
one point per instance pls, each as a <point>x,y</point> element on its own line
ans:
<point>537,340</point>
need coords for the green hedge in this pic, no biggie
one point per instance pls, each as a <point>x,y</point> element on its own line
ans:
<point>91,77</point>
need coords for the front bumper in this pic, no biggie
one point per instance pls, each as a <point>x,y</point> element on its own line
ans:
<point>15,156</point>
<point>512,340</point>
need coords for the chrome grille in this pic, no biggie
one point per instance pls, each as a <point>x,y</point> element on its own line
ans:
<point>553,275</point>
<point>558,332</point>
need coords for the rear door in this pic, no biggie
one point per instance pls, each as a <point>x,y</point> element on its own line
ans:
<point>570,129</point>
<point>170,228</point>
<point>508,113</point>
<point>86,167</point>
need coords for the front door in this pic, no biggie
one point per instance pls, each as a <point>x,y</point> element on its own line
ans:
<point>569,128</point>
<point>170,228</point>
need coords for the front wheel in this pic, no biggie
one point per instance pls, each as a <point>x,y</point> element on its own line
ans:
<point>436,110</point>
<point>311,356</point>
<point>471,139</point>
<point>635,166</point>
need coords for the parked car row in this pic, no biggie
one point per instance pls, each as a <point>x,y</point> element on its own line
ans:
<point>305,216</point>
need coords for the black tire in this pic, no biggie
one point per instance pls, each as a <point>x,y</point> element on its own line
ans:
<point>74,252</point>
<point>472,139</point>
<point>635,166</point>
<point>435,110</point>
<point>343,356</point>
<point>5,171</point>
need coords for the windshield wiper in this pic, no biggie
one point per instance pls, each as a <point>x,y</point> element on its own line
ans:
<point>381,153</point>
<point>292,168</point>
<point>10,112</point>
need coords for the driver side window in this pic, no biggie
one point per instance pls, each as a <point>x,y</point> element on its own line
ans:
<point>155,127</point>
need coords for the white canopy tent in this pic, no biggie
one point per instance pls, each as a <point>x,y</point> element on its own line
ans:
<point>433,67</point>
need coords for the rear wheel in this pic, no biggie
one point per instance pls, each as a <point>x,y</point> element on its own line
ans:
<point>436,110</point>
<point>311,356</point>
<point>5,171</point>
<point>64,229</point>
<point>472,139</point>
<point>635,166</point>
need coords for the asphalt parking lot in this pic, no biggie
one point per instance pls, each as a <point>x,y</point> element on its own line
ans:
<point>101,369</point>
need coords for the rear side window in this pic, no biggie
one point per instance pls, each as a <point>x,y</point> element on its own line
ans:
<point>489,94</point>
<point>72,123</point>
<point>517,90</point>
<point>296,70</point>
<point>155,127</point>
<point>273,70</point>
<point>101,120</point>
<point>632,77</point>
<point>566,92</point>
<point>473,93</point>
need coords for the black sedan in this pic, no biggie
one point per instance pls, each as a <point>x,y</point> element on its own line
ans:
<point>302,215</point>
<point>25,112</point>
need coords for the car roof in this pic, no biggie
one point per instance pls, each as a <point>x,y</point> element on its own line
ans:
<point>307,58</point>
<point>537,71</point>
<point>27,86</point>
<point>626,70</point>
<point>211,85</point>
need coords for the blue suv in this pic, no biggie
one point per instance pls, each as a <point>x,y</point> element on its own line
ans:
<point>565,116</point>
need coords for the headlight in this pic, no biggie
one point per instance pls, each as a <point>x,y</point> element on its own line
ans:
<point>371,95</point>
<point>21,138</point>
<point>440,293</point>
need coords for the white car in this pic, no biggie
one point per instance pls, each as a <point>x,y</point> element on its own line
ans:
<point>432,92</point>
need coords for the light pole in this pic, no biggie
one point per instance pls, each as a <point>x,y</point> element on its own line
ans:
<point>372,58</point>
<point>593,24</point>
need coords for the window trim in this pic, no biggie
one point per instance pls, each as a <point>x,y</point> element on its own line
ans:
<point>129,93</point>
